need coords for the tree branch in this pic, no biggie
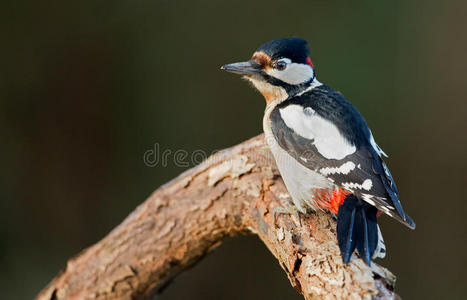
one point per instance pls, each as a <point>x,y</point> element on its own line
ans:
<point>233,192</point>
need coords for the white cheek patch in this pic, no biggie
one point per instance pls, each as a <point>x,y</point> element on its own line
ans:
<point>323,133</point>
<point>294,73</point>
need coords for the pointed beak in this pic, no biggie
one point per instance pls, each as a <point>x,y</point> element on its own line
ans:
<point>243,68</point>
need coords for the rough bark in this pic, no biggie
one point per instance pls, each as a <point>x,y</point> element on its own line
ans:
<point>233,192</point>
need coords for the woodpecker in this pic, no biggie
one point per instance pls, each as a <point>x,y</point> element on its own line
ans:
<point>323,147</point>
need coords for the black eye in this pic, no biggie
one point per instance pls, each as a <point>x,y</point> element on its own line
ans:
<point>280,65</point>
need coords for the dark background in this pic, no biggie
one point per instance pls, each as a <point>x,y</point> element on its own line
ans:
<point>87,87</point>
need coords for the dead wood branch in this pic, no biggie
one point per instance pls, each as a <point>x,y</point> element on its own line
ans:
<point>233,192</point>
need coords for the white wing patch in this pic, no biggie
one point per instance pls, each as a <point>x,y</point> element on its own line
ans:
<point>344,169</point>
<point>294,73</point>
<point>325,135</point>
<point>366,185</point>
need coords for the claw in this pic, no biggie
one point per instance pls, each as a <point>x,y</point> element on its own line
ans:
<point>291,210</point>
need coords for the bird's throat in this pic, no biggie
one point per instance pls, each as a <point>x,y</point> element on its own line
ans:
<point>270,92</point>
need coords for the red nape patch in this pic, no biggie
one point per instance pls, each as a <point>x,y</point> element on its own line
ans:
<point>337,198</point>
<point>308,61</point>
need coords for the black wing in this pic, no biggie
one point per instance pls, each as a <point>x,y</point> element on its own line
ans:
<point>362,172</point>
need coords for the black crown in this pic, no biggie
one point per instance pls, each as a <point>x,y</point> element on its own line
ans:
<point>296,49</point>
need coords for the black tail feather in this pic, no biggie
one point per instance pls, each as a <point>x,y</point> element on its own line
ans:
<point>345,232</point>
<point>357,228</point>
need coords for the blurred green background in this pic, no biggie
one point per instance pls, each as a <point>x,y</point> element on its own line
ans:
<point>87,87</point>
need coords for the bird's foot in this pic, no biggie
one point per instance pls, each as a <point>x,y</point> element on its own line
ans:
<point>289,210</point>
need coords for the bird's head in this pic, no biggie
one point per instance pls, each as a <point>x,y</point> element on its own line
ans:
<point>278,69</point>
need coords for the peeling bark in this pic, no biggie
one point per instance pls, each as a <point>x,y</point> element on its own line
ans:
<point>233,192</point>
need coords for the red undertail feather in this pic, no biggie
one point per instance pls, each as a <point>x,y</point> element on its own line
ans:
<point>330,201</point>
<point>337,198</point>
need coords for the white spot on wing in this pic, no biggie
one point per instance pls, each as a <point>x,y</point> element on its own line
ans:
<point>325,135</point>
<point>367,198</point>
<point>344,169</point>
<point>383,207</point>
<point>366,185</point>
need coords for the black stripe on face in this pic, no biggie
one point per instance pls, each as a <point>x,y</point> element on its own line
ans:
<point>291,89</point>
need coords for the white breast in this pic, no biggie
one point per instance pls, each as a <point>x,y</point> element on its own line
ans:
<point>299,180</point>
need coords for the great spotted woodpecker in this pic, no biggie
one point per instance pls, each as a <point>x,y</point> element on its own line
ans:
<point>322,145</point>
